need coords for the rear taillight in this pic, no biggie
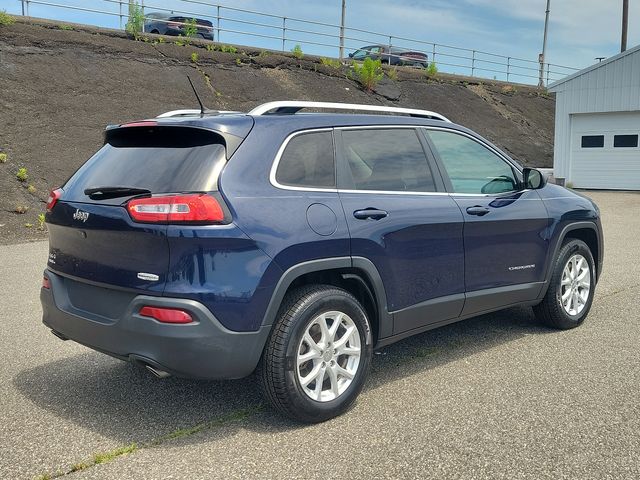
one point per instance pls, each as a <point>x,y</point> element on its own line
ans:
<point>54,195</point>
<point>197,208</point>
<point>46,283</point>
<point>166,315</point>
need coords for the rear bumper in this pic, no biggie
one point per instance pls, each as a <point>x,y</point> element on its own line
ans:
<point>202,349</point>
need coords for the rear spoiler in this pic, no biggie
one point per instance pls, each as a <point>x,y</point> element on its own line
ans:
<point>231,132</point>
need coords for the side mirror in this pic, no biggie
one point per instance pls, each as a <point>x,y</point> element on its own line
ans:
<point>533,179</point>
<point>351,55</point>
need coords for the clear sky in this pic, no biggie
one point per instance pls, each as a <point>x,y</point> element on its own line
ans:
<point>579,30</point>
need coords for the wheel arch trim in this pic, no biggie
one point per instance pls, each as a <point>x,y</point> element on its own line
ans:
<point>558,244</point>
<point>364,265</point>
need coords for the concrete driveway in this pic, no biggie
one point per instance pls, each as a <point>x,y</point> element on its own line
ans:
<point>497,396</point>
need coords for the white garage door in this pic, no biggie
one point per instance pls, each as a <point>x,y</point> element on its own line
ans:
<point>605,150</point>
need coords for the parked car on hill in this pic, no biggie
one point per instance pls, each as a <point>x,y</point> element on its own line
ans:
<point>391,56</point>
<point>174,25</point>
<point>214,244</point>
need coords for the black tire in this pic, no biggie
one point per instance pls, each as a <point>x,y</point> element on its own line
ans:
<point>551,311</point>
<point>277,370</point>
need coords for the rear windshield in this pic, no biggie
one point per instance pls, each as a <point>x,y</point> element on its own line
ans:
<point>159,159</point>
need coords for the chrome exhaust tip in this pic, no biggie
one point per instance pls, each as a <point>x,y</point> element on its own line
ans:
<point>158,373</point>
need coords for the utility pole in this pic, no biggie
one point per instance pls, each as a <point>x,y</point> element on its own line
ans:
<point>541,57</point>
<point>344,13</point>
<point>625,25</point>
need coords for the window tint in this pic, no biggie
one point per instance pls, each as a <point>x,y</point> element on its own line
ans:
<point>160,159</point>
<point>625,141</point>
<point>387,159</point>
<point>592,141</point>
<point>472,168</point>
<point>307,161</point>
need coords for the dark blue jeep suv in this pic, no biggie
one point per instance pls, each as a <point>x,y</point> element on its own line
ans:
<point>216,244</point>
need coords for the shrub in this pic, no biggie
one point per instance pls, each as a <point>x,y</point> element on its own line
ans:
<point>3,157</point>
<point>432,70</point>
<point>6,19</point>
<point>41,221</point>
<point>297,52</point>
<point>331,62</point>
<point>22,174</point>
<point>65,27</point>
<point>31,189</point>
<point>210,47</point>
<point>21,209</point>
<point>369,73</point>
<point>194,57</point>
<point>190,28</point>
<point>263,53</point>
<point>135,23</point>
<point>393,73</point>
<point>238,61</point>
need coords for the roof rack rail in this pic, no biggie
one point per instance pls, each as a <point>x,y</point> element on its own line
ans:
<point>292,107</point>
<point>190,112</point>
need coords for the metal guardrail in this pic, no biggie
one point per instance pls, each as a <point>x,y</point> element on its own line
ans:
<point>274,32</point>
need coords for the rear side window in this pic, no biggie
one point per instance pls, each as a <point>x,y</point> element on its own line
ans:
<point>387,159</point>
<point>159,159</point>
<point>307,161</point>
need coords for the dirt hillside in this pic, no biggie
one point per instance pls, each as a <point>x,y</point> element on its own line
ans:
<point>60,85</point>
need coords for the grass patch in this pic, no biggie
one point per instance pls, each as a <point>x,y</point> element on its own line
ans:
<point>66,28</point>
<point>392,74</point>
<point>194,57</point>
<point>22,174</point>
<point>228,49</point>
<point>3,157</point>
<point>6,19</point>
<point>331,62</point>
<point>41,219</point>
<point>105,457</point>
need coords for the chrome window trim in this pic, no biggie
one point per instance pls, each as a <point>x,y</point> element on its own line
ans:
<point>276,162</point>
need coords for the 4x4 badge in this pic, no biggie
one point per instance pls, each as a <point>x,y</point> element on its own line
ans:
<point>80,215</point>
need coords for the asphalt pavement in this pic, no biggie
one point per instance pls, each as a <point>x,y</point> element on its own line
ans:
<point>497,396</point>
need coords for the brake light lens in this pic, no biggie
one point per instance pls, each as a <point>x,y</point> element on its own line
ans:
<point>200,208</point>
<point>54,195</point>
<point>143,123</point>
<point>166,315</point>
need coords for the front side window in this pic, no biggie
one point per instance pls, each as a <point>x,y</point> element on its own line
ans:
<point>307,161</point>
<point>388,160</point>
<point>472,167</point>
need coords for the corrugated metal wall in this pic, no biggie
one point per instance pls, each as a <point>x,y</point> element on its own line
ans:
<point>613,86</point>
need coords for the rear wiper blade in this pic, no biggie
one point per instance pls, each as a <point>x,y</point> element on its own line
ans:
<point>113,192</point>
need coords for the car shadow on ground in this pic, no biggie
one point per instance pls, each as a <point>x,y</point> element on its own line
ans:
<point>124,402</point>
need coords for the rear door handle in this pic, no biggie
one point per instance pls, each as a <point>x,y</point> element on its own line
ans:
<point>373,213</point>
<point>477,210</point>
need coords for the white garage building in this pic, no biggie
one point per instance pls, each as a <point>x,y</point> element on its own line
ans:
<point>598,124</point>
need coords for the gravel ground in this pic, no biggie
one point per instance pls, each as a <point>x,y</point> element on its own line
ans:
<point>493,397</point>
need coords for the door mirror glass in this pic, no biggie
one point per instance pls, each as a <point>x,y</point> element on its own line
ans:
<point>351,55</point>
<point>533,179</point>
